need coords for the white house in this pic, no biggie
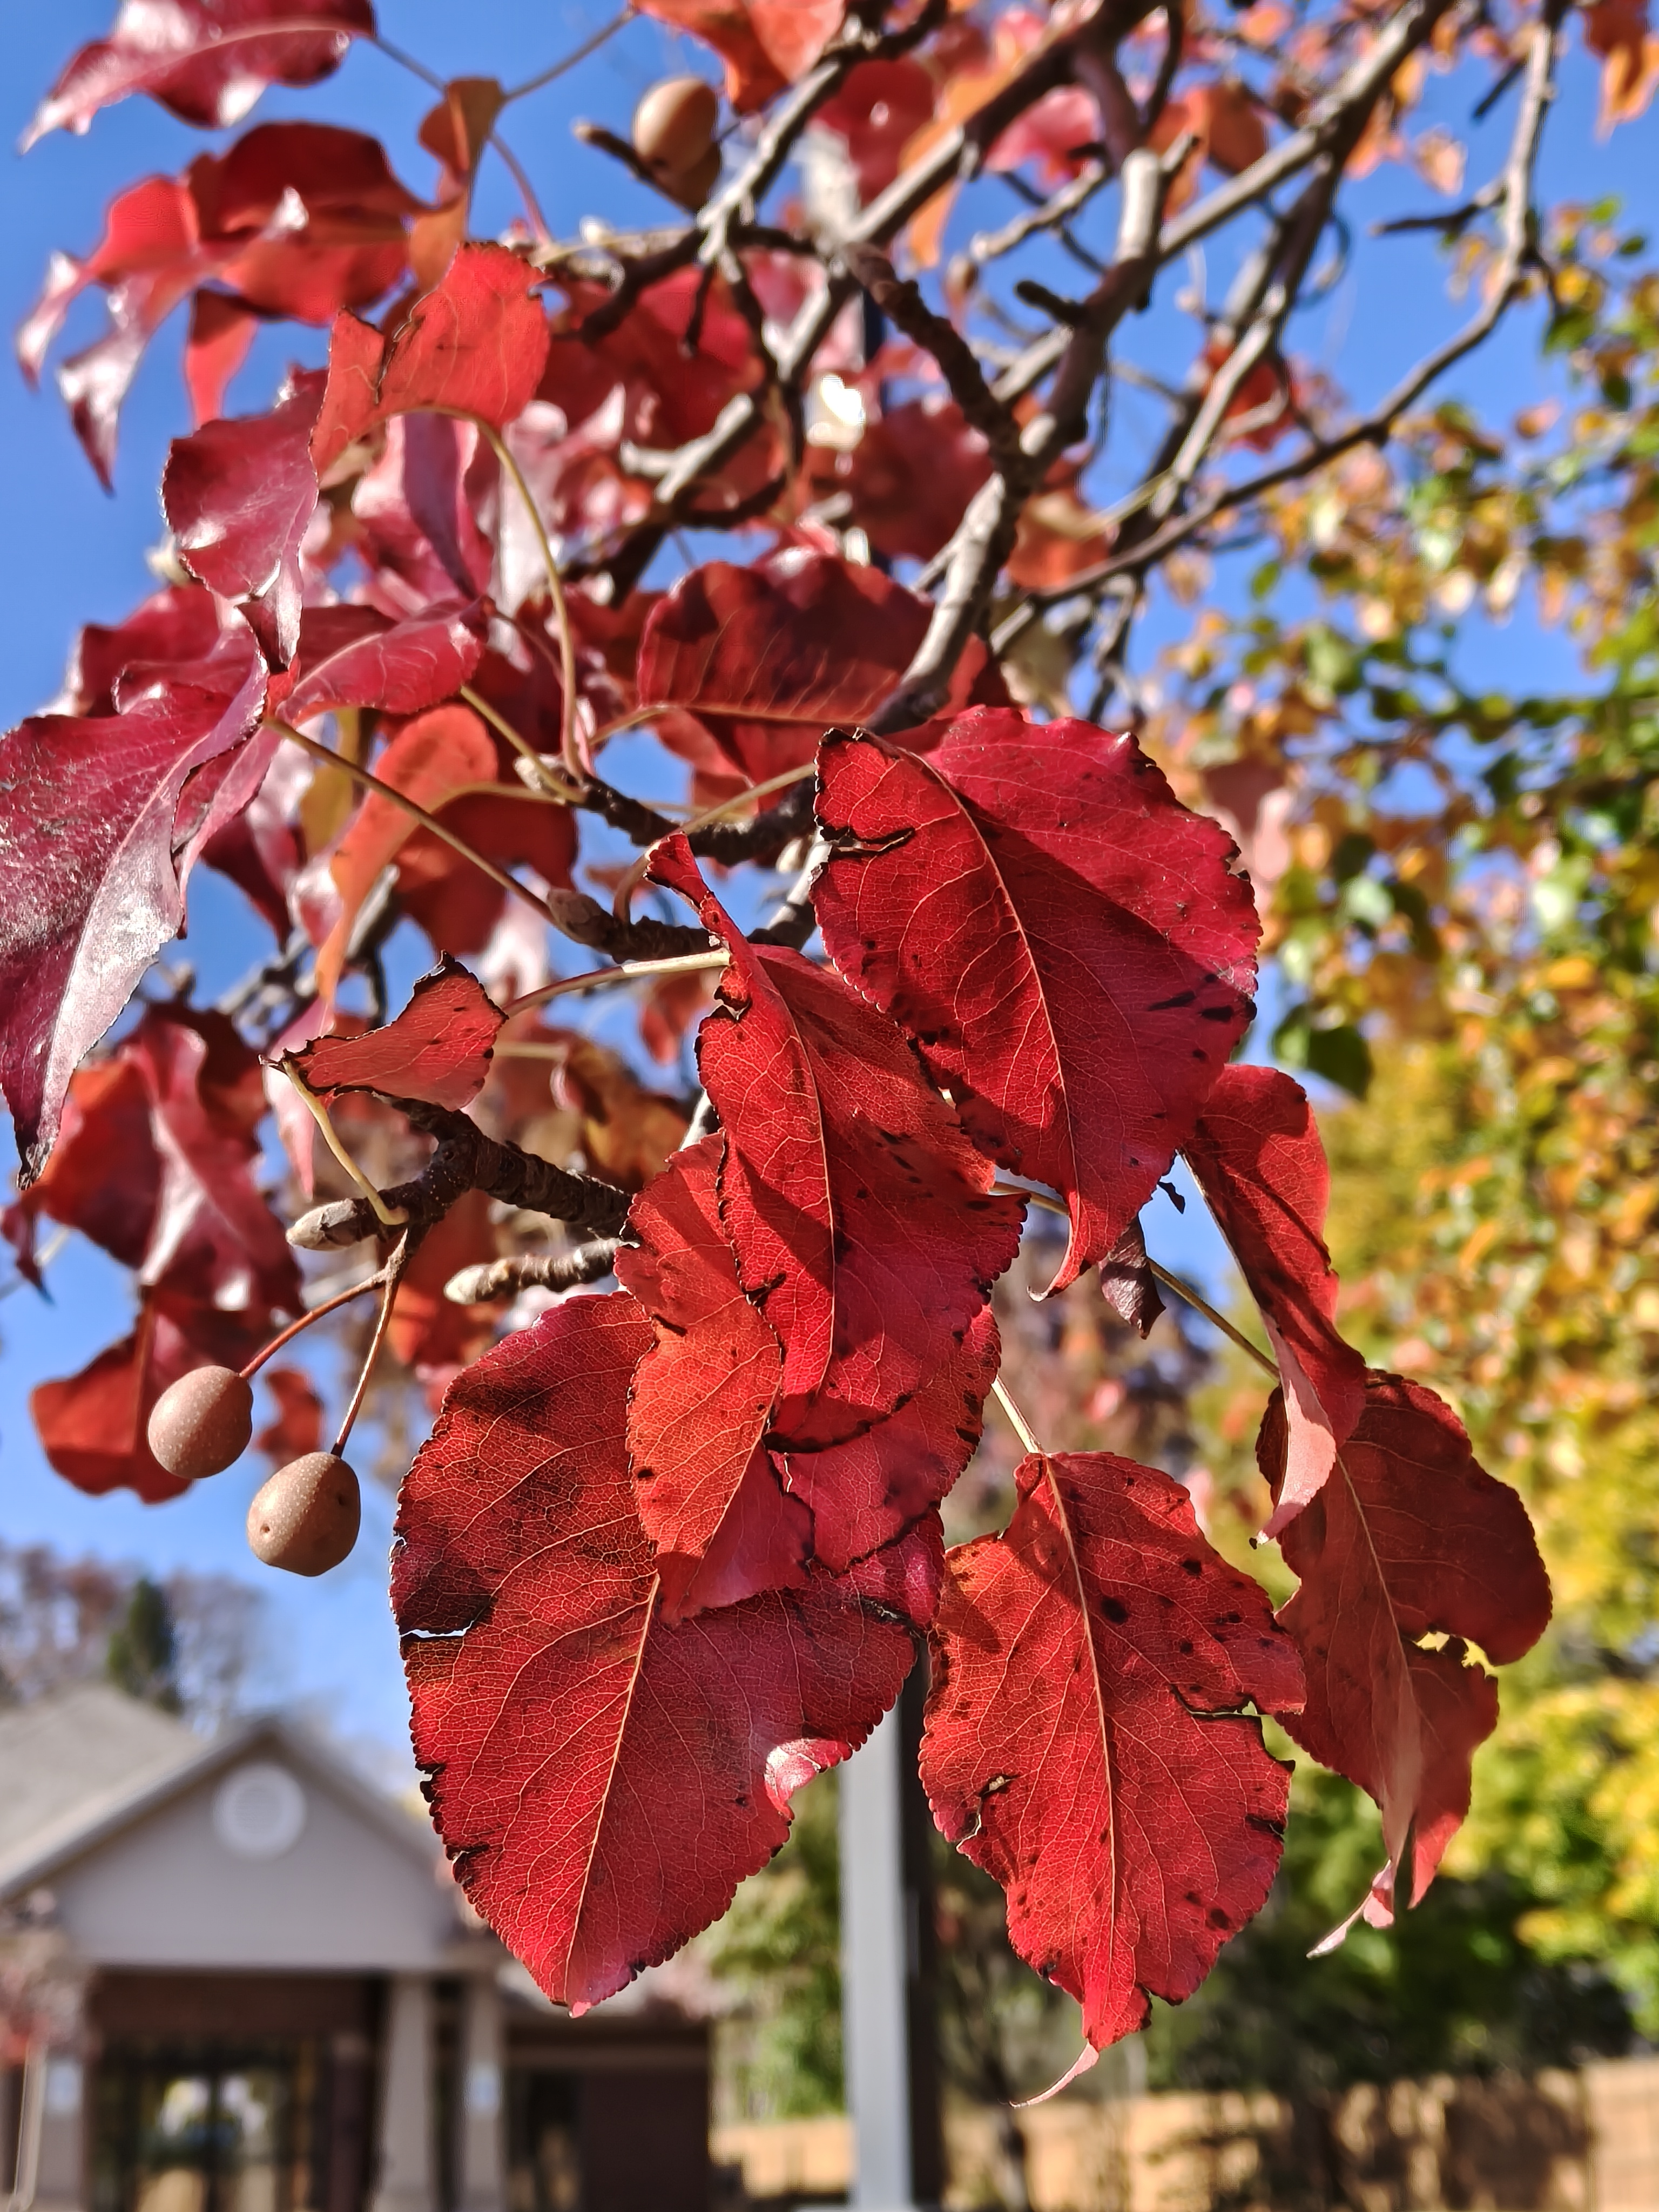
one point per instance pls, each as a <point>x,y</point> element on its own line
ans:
<point>253,1987</point>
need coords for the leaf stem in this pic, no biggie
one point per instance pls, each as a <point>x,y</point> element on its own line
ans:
<point>631,882</point>
<point>1185,1291</point>
<point>392,1273</point>
<point>568,748</point>
<point>1016,1420</point>
<point>682,964</point>
<point>412,807</point>
<point>589,45</point>
<point>521,745</point>
<point>315,1313</point>
<point>388,1217</point>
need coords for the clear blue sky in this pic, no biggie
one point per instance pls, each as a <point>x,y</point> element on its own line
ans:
<point>72,554</point>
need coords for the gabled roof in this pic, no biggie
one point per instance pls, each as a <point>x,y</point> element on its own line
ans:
<point>79,1767</point>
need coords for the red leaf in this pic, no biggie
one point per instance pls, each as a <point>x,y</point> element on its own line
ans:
<point>1062,940</point>
<point>429,1332</point>
<point>92,870</point>
<point>1257,1155</point>
<point>475,346</point>
<point>879,106</point>
<point>194,56</point>
<point>765,44</point>
<point>175,626</point>
<point>298,1427</point>
<point>455,903</point>
<point>414,513</point>
<point>910,475</point>
<point>231,218</point>
<point>865,1492</point>
<point>766,657</point>
<point>221,331</point>
<point>702,1397</point>
<point>92,1424</point>
<point>430,760</point>
<point>1085,1739</point>
<point>239,496</point>
<point>438,1049</point>
<point>350,656</point>
<point>1410,1537</point>
<point>604,1781</point>
<point>104,1176</point>
<point>861,1217</point>
<point>214,1240</point>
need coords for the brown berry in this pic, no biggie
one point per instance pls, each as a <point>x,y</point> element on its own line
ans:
<point>203,1422</point>
<point>692,186</point>
<point>674,124</point>
<point>306,1518</point>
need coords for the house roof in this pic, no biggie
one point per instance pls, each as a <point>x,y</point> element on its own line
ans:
<point>81,1766</point>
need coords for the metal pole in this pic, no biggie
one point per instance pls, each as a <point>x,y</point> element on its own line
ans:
<point>874,1961</point>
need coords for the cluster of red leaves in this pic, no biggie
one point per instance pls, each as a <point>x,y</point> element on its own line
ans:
<point>667,1551</point>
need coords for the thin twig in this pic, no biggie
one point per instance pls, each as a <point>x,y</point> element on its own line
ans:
<point>577,54</point>
<point>1016,1420</point>
<point>626,972</point>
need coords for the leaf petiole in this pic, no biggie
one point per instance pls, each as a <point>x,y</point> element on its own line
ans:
<point>1016,1420</point>
<point>682,963</point>
<point>390,1217</point>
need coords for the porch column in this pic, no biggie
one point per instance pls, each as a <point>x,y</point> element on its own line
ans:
<point>873,1962</point>
<point>405,2168</point>
<point>481,2123</point>
<point>52,2127</point>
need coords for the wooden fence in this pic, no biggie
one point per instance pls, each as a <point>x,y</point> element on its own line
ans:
<point>1556,2142</point>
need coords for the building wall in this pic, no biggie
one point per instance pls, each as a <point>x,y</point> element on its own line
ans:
<point>169,1892</point>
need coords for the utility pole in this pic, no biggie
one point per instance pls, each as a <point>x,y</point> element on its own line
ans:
<point>887,1967</point>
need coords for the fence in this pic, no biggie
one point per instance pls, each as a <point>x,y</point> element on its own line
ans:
<point>1556,2142</point>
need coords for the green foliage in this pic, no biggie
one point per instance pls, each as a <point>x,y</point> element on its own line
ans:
<point>143,1658</point>
<point>778,1952</point>
<point>1455,1988</point>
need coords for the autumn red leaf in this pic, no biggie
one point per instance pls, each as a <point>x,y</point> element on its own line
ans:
<point>865,1492</point>
<point>475,345</point>
<point>92,870</point>
<point>603,1781</point>
<point>1086,1740</point>
<point>909,478</point>
<point>207,60</point>
<point>352,656</point>
<point>156,1163</point>
<point>765,44</point>
<point>298,1425</point>
<point>430,760</point>
<point>879,106</point>
<point>172,627</point>
<point>229,220</point>
<point>239,497</point>
<point>708,1495</point>
<point>862,1218</point>
<point>429,1333</point>
<point>415,514</point>
<point>91,1425</point>
<point>627,1131</point>
<point>765,659</point>
<point>1065,943</point>
<point>1409,1553</point>
<point>1259,1160</point>
<point>438,1049</point>
<point>214,1239</point>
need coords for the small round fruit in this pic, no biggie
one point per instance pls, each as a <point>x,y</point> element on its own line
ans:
<point>306,1518</point>
<point>692,186</point>
<point>674,124</point>
<point>203,1422</point>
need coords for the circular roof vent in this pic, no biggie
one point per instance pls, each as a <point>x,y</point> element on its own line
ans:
<point>259,1811</point>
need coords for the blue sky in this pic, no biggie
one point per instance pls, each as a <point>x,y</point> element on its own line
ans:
<point>71,555</point>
